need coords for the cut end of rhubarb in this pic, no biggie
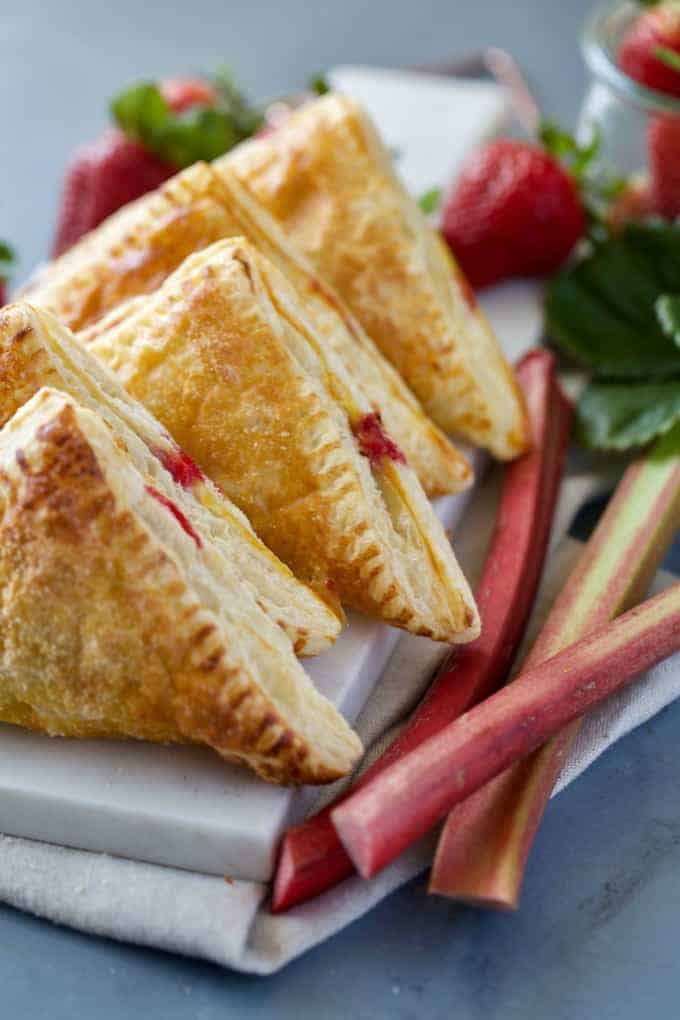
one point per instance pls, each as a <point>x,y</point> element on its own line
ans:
<point>311,860</point>
<point>501,906</point>
<point>283,893</point>
<point>352,833</point>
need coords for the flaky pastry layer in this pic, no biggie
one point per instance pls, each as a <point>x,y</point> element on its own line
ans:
<point>135,250</point>
<point>35,351</point>
<point>112,625</point>
<point>226,359</point>
<point>327,178</point>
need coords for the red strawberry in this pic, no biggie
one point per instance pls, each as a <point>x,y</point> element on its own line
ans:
<point>184,93</point>
<point>113,170</point>
<point>160,129</point>
<point>663,142</point>
<point>659,27</point>
<point>103,176</point>
<point>515,211</point>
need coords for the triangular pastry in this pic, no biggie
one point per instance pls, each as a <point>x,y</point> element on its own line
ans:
<point>135,250</point>
<point>327,178</point>
<point>35,351</point>
<point>225,358</point>
<point>113,626</point>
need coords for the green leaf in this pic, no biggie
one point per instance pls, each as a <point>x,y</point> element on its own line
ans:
<point>246,118</point>
<point>668,57</point>
<point>141,113</point>
<point>615,416</point>
<point>199,133</point>
<point>668,313</point>
<point>430,200</point>
<point>658,242</point>
<point>7,259</point>
<point>318,83</point>
<point>602,309</point>
<point>564,147</point>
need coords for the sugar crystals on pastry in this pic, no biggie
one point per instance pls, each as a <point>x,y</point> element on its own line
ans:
<point>135,250</point>
<point>326,176</point>
<point>225,357</point>
<point>35,351</point>
<point>113,626</point>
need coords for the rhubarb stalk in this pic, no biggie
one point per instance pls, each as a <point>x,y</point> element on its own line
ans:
<point>312,859</point>
<point>483,849</point>
<point>402,803</point>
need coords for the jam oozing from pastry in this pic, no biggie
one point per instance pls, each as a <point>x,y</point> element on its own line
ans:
<point>374,442</point>
<point>179,464</point>
<point>176,513</point>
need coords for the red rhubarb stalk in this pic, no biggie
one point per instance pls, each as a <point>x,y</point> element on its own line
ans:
<point>483,850</point>
<point>312,859</point>
<point>401,804</point>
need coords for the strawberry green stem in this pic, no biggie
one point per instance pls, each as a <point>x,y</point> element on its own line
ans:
<point>401,804</point>
<point>484,847</point>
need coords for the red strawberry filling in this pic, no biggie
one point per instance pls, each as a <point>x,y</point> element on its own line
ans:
<point>374,442</point>
<point>180,465</point>
<point>176,513</point>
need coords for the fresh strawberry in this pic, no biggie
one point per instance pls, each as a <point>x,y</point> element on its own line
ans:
<point>515,211</point>
<point>159,130</point>
<point>185,93</point>
<point>103,176</point>
<point>641,54</point>
<point>663,142</point>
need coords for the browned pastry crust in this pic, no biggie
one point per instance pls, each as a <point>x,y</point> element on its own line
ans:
<point>134,251</point>
<point>35,351</point>
<point>229,363</point>
<point>327,178</point>
<point>111,625</point>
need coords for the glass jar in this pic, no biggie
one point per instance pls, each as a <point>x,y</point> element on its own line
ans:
<point>624,112</point>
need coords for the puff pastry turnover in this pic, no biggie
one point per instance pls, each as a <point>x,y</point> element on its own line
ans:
<point>328,179</point>
<point>135,250</point>
<point>35,351</point>
<point>113,626</point>
<point>226,359</point>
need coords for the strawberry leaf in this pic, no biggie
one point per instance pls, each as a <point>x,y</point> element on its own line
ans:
<point>668,57</point>
<point>199,133</point>
<point>602,310</point>
<point>615,416</point>
<point>598,185</point>
<point>430,200</point>
<point>7,259</point>
<point>233,104</point>
<point>668,313</point>
<point>318,84</point>
<point>141,113</point>
<point>564,147</point>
